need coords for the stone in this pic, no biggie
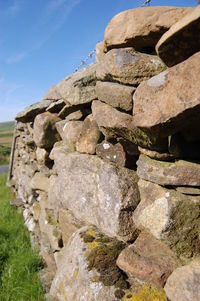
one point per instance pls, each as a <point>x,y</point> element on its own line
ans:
<point>29,113</point>
<point>56,107</point>
<point>79,88</point>
<point>45,132</point>
<point>156,155</point>
<point>170,216</point>
<point>128,67</point>
<point>36,211</point>
<point>68,224</point>
<point>79,114</point>
<point>183,284</point>
<point>59,126</point>
<point>52,94</point>
<point>98,192</point>
<point>99,51</point>
<point>141,28</point>
<point>117,152</point>
<point>75,279</point>
<point>89,136</point>
<point>179,173</point>
<point>116,95</point>
<point>54,201</point>
<point>42,155</point>
<point>39,182</point>
<point>189,190</point>
<point>182,39</point>
<point>114,123</point>
<point>148,259</point>
<point>169,102</point>
<point>72,131</point>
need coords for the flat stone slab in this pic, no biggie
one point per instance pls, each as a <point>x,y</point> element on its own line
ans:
<point>29,113</point>
<point>141,28</point>
<point>179,173</point>
<point>126,66</point>
<point>170,101</point>
<point>98,192</point>
<point>148,260</point>
<point>182,40</point>
<point>183,284</point>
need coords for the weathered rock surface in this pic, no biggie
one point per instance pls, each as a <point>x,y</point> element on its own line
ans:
<point>183,284</point>
<point>41,155</point>
<point>52,94</point>
<point>98,192</point>
<point>29,113</point>
<point>181,40</point>
<point>45,132</point>
<point>114,123</point>
<point>79,87</point>
<point>179,173</point>
<point>126,66</point>
<point>72,131</point>
<point>170,216</point>
<point>141,28</point>
<point>39,182</point>
<point>56,107</point>
<point>148,260</point>
<point>156,155</point>
<point>99,51</point>
<point>170,101</point>
<point>116,95</point>
<point>89,136</point>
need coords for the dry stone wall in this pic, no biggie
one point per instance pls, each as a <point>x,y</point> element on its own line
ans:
<point>106,167</point>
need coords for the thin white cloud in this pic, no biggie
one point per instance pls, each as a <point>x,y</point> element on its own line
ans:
<point>55,4</point>
<point>16,58</point>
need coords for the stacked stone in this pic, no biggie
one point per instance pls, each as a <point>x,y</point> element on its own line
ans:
<point>106,166</point>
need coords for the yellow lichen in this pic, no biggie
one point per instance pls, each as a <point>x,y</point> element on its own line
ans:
<point>93,245</point>
<point>145,293</point>
<point>75,274</point>
<point>91,232</point>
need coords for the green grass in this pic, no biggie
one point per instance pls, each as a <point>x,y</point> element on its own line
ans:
<point>19,264</point>
<point>4,154</point>
<point>6,134</point>
<point>6,126</point>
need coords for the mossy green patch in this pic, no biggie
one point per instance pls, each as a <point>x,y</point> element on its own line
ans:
<point>184,233</point>
<point>145,293</point>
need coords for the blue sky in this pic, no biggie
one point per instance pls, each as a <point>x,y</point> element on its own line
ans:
<point>42,41</point>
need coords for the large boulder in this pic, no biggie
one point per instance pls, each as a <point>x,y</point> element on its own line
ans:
<point>126,66</point>
<point>183,284</point>
<point>116,95</point>
<point>179,173</point>
<point>39,182</point>
<point>79,88</point>
<point>45,132</point>
<point>114,123</point>
<point>181,40</point>
<point>98,192</point>
<point>29,113</point>
<point>141,28</point>
<point>148,260</point>
<point>170,101</point>
<point>170,216</point>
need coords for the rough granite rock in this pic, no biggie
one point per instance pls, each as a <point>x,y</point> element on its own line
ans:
<point>45,132</point>
<point>89,137</point>
<point>79,88</point>
<point>56,107</point>
<point>114,123</point>
<point>29,113</point>
<point>126,66</point>
<point>182,39</point>
<point>99,51</point>
<point>156,155</point>
<point>179,173</point>
<point>52,94</point>
<point>183,284</point>
<point>71,132</point>
<point>170,216</point>
<point>116,95</point>
<point>41,156</point>
<point>170,101</point>
<point>98,192</point>
<point>141,28</point>
<point>40,182</point>
<point>148,260</point>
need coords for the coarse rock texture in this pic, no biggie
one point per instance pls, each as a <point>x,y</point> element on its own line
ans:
<point>98,192</point>
<point>45,132</point>
<point>141,28</point>
<point>170,216</point>
<point>182,39</point>
<point>170,101</point>
<point>148,259</point>
<point>89,136</point>
<point>116,95</point>
<point>33,110</point>
<point>126,66</point>
<point>114,123</point>
<point>39,182</point>
<point>71,132</point>
<point>183,284</point>
<point>179,173</point>
<point>79,87</point>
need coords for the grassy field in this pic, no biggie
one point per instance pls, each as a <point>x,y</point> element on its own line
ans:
<point>19,264</point>
<point>6,136</point>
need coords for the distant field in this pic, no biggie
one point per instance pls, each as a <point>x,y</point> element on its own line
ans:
<point>6,136</point>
